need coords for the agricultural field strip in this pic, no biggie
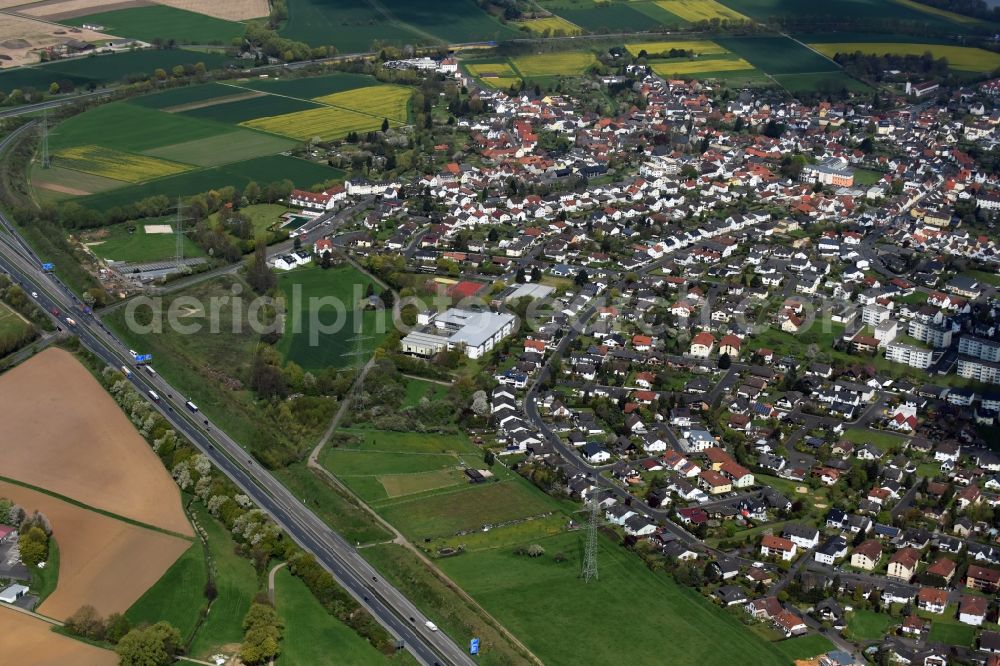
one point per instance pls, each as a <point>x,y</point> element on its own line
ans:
<point>117,164</point>
<point>88,507</point>
<point>318,101</point>
<point>701,66</point>
<point>698,46</point>
<point>963,58</point>
<point>214,101</point>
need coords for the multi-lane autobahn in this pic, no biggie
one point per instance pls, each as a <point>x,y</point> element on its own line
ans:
<point>394,611</point>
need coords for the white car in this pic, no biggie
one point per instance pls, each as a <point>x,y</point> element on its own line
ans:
<point>430,625</point>
<point>34,294</point>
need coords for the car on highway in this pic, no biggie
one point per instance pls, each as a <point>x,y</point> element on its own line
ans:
<point>34,294</point>
<point>430,625</point>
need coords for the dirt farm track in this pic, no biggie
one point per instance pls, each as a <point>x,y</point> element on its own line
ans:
<point>104,562</point>
<point>23,635</point>
<point>61,431</point>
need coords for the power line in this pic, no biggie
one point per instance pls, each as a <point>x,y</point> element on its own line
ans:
<point>589,572</point>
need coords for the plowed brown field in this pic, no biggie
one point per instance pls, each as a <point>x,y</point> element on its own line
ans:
<point>61,431</point>
<point>104,562</point>
<point>25,640</point>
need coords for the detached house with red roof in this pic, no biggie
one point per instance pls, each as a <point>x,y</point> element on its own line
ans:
<point>775,546</point>
<point>702,345</point>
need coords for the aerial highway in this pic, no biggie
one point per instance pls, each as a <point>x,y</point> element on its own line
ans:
<point>394,611</point>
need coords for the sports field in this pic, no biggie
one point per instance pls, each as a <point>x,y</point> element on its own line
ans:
<point>565,63</point>
<point>551,25</point>
<point>518,590</point>
<point>701,47</point>
<point>700,10</point>
<point>691,67</point>
<point>115,164</point>
<point>343,289</point>
<point>64,433</point>
<point>165,23</point>
<point>963,58</point>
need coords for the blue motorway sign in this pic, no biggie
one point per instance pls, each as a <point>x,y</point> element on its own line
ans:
<point>474,646</point>
<point>48,267</point>
<point>143,358</point>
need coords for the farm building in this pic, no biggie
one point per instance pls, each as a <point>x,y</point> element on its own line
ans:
<point>12,593</point>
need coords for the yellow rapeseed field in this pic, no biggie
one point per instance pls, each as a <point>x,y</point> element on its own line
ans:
<point>700,10</point>
<point>699,46</point>
<point>567,63</point>
<point>964,58</point>
<point>325,123</point>
<point>116,164</point>
<point>553,24</point>
<point>689,67</point>
<point>383,101</point>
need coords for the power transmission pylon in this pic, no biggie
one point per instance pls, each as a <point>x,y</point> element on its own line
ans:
<point>46,162</point>
<point>179,233</point>
<point>589,572</point>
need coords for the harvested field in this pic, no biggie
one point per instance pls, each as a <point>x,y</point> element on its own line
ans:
<point>231,10</point>
<point>211,102</point>
<point>24,634</point>
<point>104,562</point>
<point>21,38</point>
<point>64,433</point>
<point>61,189</point>
<point>57,10</point>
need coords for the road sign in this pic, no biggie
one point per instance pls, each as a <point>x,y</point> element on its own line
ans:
<point>143,358</point>
<point>474,646</point>
<point>48,267</point>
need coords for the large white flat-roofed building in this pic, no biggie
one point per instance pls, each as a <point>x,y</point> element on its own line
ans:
<point>475,332</point>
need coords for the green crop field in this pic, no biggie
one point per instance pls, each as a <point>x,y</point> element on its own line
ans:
<point>164,23</point>
<point>246,110</point>
<point>777,55</point>
<point>564,63</point>
<point>518,590</point>
<point>311,86</point>
<point>236,583</point>
<point>861,9</point>
<point>312,635</point>
<point>453,21</point>
<point>117,244</point>
<point>185,95</point>
<point>609,16</point>
<point>178,596</point>
<point>353,26</point>
<point>235,146</point>
<point>822,82</point>
<point>263,170</point>
<point>131,128</point>
<point>311,347</point>
<point>105,68</point>
<point>962,58</point>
